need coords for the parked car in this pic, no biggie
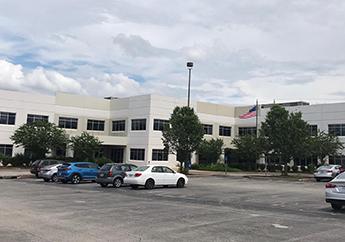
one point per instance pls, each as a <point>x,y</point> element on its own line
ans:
<point>113,173</point>
<point>335,192</point>
<point>49,173</point>
<point>75,172</point>
<point>38,164</point>
<point>151,176</point>
<point>327,172</point>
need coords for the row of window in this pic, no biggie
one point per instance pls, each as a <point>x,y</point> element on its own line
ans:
<point>6,150</point>
<point>157,155</point>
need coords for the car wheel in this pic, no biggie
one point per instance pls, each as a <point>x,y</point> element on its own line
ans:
<point>76,179</point>
<point>149,184</point>
<point>55,178</point>
<point>336,206</point>
<point>134,186</point>
<point>36,175</point>
<point>46,179</point>
<point>317,179</point>
<point>180,183</point>
<point>117,182</point>
<point>103,184</point>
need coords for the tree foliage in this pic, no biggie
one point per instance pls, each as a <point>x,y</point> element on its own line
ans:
<point>249,147</point>
<point>184,134</point>
<point>39,138</point>
<point>324,144</point>
<point>85,146</point>
<point>209,151</point>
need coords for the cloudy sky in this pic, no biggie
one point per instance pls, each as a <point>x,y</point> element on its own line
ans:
<point>242,50</point>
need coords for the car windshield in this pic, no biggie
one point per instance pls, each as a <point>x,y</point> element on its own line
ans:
<point>324,168</point>
<point>141,168</point>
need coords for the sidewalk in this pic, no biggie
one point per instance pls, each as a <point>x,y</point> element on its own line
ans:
<point>13,173</point>
<point>298,176</point>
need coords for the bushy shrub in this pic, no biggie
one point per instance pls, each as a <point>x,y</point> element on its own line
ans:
<point>103,160</point>
<point>215,167</point>
<point>19,160</point>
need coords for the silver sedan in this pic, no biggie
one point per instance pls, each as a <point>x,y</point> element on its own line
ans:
<point>327,172</point>
<point>335,192</point>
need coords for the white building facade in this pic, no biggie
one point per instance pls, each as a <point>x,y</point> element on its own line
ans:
<point>130,128</point>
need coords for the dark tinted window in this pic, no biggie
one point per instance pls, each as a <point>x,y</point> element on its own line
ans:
<point>106,167</point>
<point>137,154</point>
<point>242,131</point>
<point>336,129</point>
<point>6,150</point>
<point>133,167</point>
<point>157,169</point>
<point>95,125</point>
<point>93,166</point>
<point>119,125</point>
<point>224,131</point>
<point>138,124</point>
<point>167,170</point>
<point>82,165</point>
<point>160,124</point>
<point>312,130</point>
<point>34,117</point>
<point>68,123</point>
<point>7,118</point>
<point>160,155</point>
<point>208,129</point>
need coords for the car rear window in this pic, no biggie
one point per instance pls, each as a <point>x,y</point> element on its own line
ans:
<point>141,168</point>
<point>324,168</point>
<point>341,176</point>
<point>106,167</point>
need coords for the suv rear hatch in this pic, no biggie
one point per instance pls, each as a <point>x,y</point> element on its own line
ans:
<point>105,171</point>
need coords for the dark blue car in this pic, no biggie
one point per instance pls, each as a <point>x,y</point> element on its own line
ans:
<point>75,172</point>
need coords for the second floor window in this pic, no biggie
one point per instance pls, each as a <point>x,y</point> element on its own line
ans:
<point>224,131</point>
<point>159,124</point>
<point>312,130</point>
<point>34,117</point>
<point>208,129</point>
<point>243,131</point>
<point>95,125</point>
<point>7,118</point>
<point>138,124</point>
<point>119,125</point>
<point>68,123</point>
<point>336,129</point>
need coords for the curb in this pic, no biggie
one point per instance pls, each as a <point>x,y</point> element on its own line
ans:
<point>9,177</point>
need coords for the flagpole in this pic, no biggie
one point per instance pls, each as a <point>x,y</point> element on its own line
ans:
<point>256,118</point>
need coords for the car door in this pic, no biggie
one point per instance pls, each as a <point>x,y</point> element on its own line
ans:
<point>158,175</point>
<point>93,170</point>
<point>170,177</point>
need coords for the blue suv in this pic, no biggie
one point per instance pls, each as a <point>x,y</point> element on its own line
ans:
<point>75,172</point>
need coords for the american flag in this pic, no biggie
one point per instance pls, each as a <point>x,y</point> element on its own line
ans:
<point>251,113</point>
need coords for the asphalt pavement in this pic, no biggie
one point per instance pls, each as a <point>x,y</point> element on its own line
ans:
<point>208,209</point>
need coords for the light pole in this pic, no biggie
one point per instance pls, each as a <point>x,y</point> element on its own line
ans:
<point>189,66</point>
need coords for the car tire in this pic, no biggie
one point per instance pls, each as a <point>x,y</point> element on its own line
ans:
<point>317,179</point>
<point>134,186</point>
<point>46,179</point>
<point>117,182</point>
<point>149,184</point>
<point>36,175</point>
<point>75,179</point>
<point>103,184</point>
<point>54,178</point>
<point>336,206</point>
<point>180,183</point>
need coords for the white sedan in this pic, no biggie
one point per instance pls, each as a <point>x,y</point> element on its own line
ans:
<point>335,192</point>
<point>151,176</point>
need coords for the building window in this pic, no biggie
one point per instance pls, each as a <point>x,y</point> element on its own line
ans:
<point>6,150</point>
<point>138,124</point>
<point>34,117</point>
<point>312,130</point>
<point>242,131</point>
<point>97,125</point>
<point>160,155</point>
<point>68,123</point>
<point>208,129</point>
<point>336,129</point>
<point>7,118</point>
<point>137,154</point>
<point>224,131</point>
<point>159,124</point>
<point>119,125</point>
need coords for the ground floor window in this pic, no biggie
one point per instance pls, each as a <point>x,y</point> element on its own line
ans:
<point>6,150</point>
<point>337,160</point>
<point>137,154</point>
<point>159,155</point>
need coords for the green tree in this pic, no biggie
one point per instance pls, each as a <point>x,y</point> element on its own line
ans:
<point>85,146</point>
<point>40,137</point>
<point>183,135</point>
<point>324,144</point>
<point>287,134</point>
<point>249,147</point>
<point>209,151</point>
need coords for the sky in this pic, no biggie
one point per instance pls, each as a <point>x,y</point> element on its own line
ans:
<point>242,50</point>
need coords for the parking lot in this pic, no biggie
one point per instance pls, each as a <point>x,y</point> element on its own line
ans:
<point>208,209</point>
